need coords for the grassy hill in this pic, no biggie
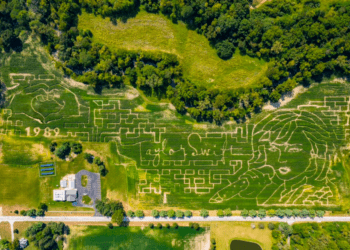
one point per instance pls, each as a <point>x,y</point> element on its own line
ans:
<point>155,32</point>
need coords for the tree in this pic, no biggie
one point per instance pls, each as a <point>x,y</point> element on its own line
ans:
<point>118,217</point>
<point>204,213</point>
<point>175,225</point>
<point>63,151</point>
<point>155,213</point>
<point>163,214</point>
<point>16,211</point>
<point>285,229</point>
<point>262,213</point>
<point>252,213</point>
<point>320,213</point>
<point>23,213</point>
<point>261,225</point>
<point>40,212</point>
<point>244,213</point>
<point>304,213</point>
<point>159,225</point>
<point>179,214</point>
<point>225,49</point>
<point>188,213</point>
<point>16,231</point>
<point>196,226</point>
<point>288,213</point>
<point>43,206</point>
<point>89,157</point>
<point>228,212</point>
<point>53,146</point>
<point>130,214</point>
<point>271,213</point>
<point>220,213</point>
<point>139,213</point>
<point>167,225</point>
<point>77,148</point>
<point>312,213</point>
<point>31,213</point>
<point>151,225</point>
<point>296,212</point>
<point>280,213</point>
<point>171,213</point>
<point>110,225</point>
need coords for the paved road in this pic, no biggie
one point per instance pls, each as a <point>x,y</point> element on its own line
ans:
<point>13,219</point>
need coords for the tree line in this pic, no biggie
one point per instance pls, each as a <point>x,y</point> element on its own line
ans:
<point>302,41</point>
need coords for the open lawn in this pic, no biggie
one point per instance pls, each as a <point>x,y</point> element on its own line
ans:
<point>225,232</point>
<point>155,32</point>
<point>101,237</point>
<point>5,231</point>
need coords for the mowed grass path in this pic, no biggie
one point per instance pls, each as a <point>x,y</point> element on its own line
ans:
<point>155,32</point>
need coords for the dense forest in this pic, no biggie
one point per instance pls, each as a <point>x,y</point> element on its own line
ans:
<point>302,40</point>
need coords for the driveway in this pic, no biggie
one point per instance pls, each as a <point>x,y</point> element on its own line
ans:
<point>92,189</point>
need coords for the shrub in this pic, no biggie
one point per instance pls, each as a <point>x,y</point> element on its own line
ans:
<point>175,225</point>
<point>312,213</point>
<point>204,213</point>
<point>151,225</point>
<point>171,213</point>
<point>228,212</point>
<point>155,213</point>
<point>304,213</point>
<point>163,213</point>
<point>23,213</point>
<point>271,226</point>
<point>276,234</point>
<point>320,213</point>
<point>188,213</point>
<point>159,225</point>
<point>53,146</point>
<point>179,214</point>
<point>110,225</point>
<point>139,214</point>
<point>212,241</point>
<point>220,213</point>
<point>196,226</point>
<point>296,212</point>
<point>43,206</point>
<point>16,231</point>
<point>31,213</point>
<point>280,213</point>
<point>190,224</point>
<point>130,214</point>
<point>167,225</point>
<point>288,213</point>
<point>40,212</point>
<point>261,226</point>
<point>16,211</point>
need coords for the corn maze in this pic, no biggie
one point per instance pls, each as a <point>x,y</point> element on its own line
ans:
<point>284,158</point>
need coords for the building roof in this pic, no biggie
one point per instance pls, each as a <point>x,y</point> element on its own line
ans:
<point>71,198</point>
<point>63,183</point>
<point>23,243</point>
<point>59,195</point>
<point>71,192</point>
<point>72,184</point>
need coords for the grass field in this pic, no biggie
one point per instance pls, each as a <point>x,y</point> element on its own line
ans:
<point>5,231</point>
<point>225,232</point>
<point>292,157</point>
<point>97,237</point>
<point>155,32</point>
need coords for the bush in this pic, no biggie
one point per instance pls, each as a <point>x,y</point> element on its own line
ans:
<point>175,225</point>
<point>171,213</point>
<point>155,213</point>
<point>167,225</point>
<point>159,225</point>
<point>163,214</point>
<point>23,213</point>
<point>271,213</point>
<point>296,212</point>
<point>280,213</point>
<point>16,231</point>
<point>139,214</point>
<point>31,213</point>
<point>188,213</point>
<point>40,212</point>
<point>53,146</point>
<point>151,225</point>
<point>179,214</point>
<point>43,206</point>
<point>252,213</point>
<point>204,213</point>
<point>130,214</point>
<point>118,217</point>
<point>196,226</point>
<point>312,213</point>
<point>16,211</point>
<point>262,213</point>
<point>110,225</point>
<point>271,226</point>
<point>276,234</point>
<point>220,213</point>
<point>261,226</point>
<point>320,213</point>
<point>212,241</point>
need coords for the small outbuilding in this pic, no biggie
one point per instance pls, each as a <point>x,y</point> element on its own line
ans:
<point>59,195</point>
<point>63,183</point>
<point>71,195</point>
<point>72,184</point>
